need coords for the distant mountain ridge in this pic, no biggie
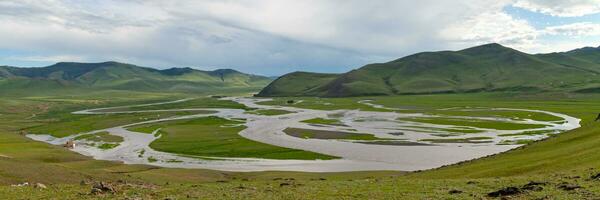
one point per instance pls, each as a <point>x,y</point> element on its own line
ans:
<point>490,67</point>
<point>122,76</point>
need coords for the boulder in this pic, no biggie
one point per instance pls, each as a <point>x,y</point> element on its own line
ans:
<point>102,187</point>
<point>507,191</point>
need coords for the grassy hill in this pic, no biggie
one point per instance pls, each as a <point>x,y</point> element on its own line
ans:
<point>121,76</point>
<point>490,67</point>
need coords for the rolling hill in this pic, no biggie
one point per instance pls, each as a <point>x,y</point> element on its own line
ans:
<point>121,76</point>
<point>490,67</point>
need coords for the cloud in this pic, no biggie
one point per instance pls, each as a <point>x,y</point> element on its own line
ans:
<point>267,37</point>
<point>575,29</point>
<point>495,27</point>
<point>561,8</point>
<point>54,58</point>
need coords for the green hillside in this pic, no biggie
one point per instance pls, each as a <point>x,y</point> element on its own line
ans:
<point>290,84</point>
<point>120,76</point>
<point>490,67</point>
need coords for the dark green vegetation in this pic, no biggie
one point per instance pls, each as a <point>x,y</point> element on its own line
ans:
<point>321,103</point>
<point>197,103</point>
<point>321,134</point>
<point>269,112</point>
<point>215,137</point>
<point>473,140</point>
<point>394,143</point>
<point>102,140</point>
<point>488,124</point>
<point>100,137</point>
<point>542,132</point>
<point>73,77</point>
<point>490,67</point>
<point>324,121</point>
<point>511,114</point>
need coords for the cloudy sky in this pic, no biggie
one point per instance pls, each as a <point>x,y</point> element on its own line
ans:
<point>272,37</point>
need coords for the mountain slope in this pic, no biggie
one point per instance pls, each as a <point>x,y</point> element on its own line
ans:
<point>120,76</point>
<point>490,67</point>
<point>289,85</point>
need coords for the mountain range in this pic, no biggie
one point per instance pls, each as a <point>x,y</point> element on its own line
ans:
<point>490,67</point>
<point>121,76</point>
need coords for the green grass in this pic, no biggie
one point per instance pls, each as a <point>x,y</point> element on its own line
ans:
<point>488,124</point>
<point>323,121</point>
<point>269,112</point>
<point>321,103</point>
<point>149,129</point>
<point>207,137</point>
<point>66,124</point>
<point>201,102</point>
<point>320,134</point>
<point>451,130</point>
<point>460,140</point>
<point>152,159</point>
<point>108,145</point>
<point>513,142</point>
<point>511,114</point>
<point>316,186</point>
<point>100,137</point>
<point>525,133</point>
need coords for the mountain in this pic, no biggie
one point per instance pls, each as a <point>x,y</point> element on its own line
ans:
<point>121,76</point>
<point>490,67</point>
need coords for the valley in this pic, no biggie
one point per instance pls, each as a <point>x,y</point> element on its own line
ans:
<point>300,100</point>
<point>156,159</point>
<point>398,141</point>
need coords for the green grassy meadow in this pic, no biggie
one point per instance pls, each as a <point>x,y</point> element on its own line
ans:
<point>324,121</point>
<point>319,134</point>
<point>269,112</point>
<point>568,158</point>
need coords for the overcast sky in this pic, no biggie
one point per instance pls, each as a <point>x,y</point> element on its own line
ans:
<point>280,36</point>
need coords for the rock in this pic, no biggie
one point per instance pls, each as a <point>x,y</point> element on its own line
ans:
<point>103,187</point>
<point>40,186</point>
<point>455,191</point>
<point>507,191</point>
<point>595,176</point>
<point>534,186</point>
<point>471,182</point>
<point>568,187</point>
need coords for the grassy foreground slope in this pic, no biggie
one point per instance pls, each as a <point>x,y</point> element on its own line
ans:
<point>490,67</point>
